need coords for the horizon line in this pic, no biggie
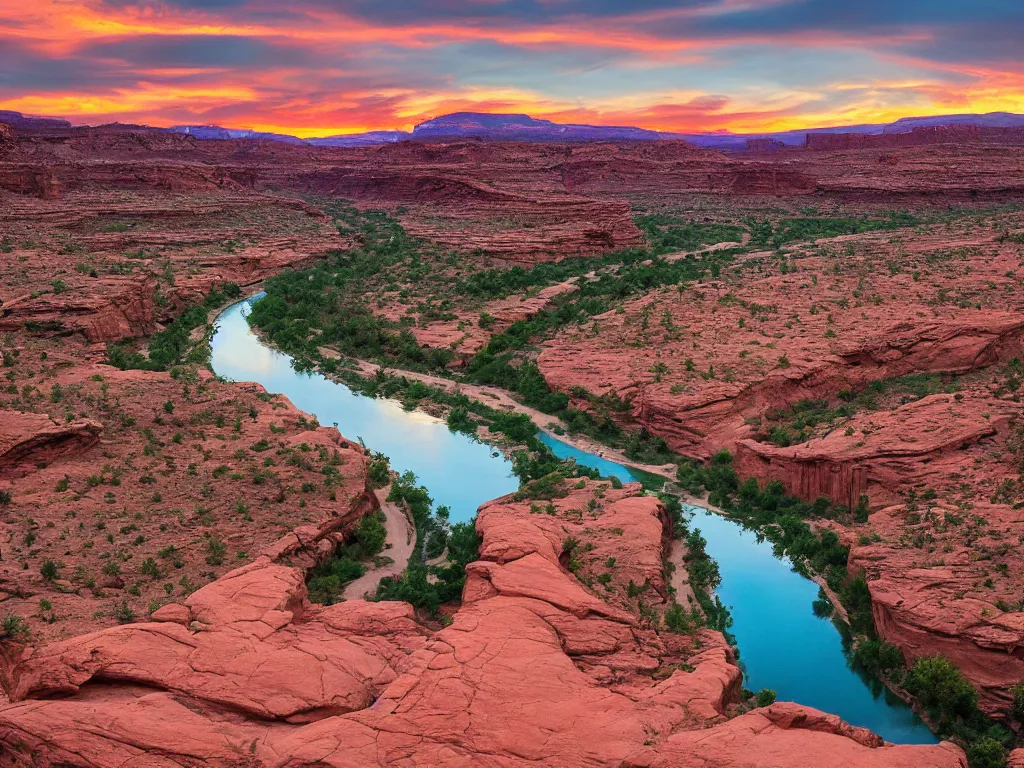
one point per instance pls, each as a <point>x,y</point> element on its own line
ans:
<point>718,132</point>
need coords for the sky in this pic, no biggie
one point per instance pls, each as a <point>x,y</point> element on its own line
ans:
<point>323,67</point>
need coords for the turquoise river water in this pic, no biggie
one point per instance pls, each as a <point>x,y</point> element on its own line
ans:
<point>783,645</point>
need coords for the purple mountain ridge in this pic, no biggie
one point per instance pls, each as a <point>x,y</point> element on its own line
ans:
<point>518,127</point>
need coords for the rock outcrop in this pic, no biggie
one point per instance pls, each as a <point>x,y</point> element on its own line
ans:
<point>917,445</point>
<point>534,669</point>
<point>115,308</point>
<point>29,441</point>
<point>948,582</point>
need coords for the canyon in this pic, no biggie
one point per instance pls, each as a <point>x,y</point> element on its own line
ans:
<point>173,626</point>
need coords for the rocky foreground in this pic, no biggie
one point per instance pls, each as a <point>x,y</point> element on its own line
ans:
<point>535,668</point>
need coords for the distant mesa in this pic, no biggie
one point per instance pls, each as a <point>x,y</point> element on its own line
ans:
<point>25,124</point>
<point>519,127</point>
<point>524,128</point>
<point>361,139</point>
<point>990,120</point>
<point>216,132</point>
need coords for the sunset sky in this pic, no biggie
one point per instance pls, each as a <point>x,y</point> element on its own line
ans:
<point>319,67</point>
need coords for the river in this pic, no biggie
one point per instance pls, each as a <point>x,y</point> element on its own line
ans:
<point>783,645</point>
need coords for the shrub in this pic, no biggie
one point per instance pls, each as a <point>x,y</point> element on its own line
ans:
<point>677,620</point>
<point>1018,701</point>
<point>216,549</point>
<point>986,752</point>
<point>379,472</point>
<point>150,568</point>
<point>371,535</point>
<point>941,688</point>
<point>765,697</point>
<point>13,627</point>
<point>878,656</point>
<point>123,612</point>
<point>328,579</point>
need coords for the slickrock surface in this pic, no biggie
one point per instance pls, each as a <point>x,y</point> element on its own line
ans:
<point>535,669</point>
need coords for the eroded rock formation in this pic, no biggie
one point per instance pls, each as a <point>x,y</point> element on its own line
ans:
<point>29,441</point>
<point>535,668</point>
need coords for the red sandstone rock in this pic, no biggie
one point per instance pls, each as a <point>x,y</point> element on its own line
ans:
<point>29,441</point>
<point>917,444</point>
<point>768,737</point>
<point>122,308</point>
<point>533,670</point>
<point>536,667</point>
<point>134,483</point>
<point>946,596</point>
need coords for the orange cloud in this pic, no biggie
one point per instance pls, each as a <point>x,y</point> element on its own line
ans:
<point>292,99</point>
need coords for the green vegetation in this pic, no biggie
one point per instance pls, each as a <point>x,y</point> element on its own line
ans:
<point>669,233</point>
<point>790,230</point>
<point>434,536</point>
<point>13,627</point>
<point>172,346</point>
<point>328,579</point>
<point>782,519</point>
<point>952,705</point>
<point>704,579</point>
<point>942,690</point>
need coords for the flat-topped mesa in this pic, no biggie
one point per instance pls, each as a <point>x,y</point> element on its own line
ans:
<point>535,668</point>
<point>921,136</point>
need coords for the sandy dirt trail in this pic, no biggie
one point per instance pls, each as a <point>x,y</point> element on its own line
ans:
<point>401,537</point>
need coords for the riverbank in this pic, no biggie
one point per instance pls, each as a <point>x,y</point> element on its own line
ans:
<point>495,397</point>
<point>500,399</point>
